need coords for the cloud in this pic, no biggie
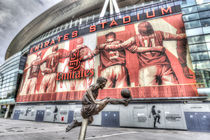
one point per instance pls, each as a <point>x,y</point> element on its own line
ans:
<point>15,15</point>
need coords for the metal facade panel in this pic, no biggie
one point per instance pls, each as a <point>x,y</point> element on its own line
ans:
<point>140,115</point>
<point>110,119</point>
<point>156,120</point>
<point>196,107</point>
<point>204,121</point>
<point>16,115</point>
<point>174,116</point>
<point>198,121</point>
<point>40,115</point>
<point>50,114</point>
<point>70,116</point>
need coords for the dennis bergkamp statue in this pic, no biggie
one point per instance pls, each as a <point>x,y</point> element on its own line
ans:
<point>90,106</point>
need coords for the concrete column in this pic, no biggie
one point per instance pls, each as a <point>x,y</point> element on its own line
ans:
<point>7,112</point>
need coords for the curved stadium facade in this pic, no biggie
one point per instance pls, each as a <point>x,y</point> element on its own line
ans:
<point>158,49</point>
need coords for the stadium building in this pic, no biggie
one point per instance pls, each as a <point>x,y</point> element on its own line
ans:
<point>160,50</point>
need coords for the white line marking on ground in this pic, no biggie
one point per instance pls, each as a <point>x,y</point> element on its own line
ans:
<point>19,133</point>
<point>104,136</point>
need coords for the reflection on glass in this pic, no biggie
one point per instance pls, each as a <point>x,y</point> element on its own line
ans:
<point>189,10</point>
<point>201,1</point>
<point>203,7</point>
<point>200,56</point>
<point>195,31</point>
<point>207,38</point>
<point>192,24</point>
<point>203,77</point>
<point>196,39</point>
<point>204,14</point>
<point>188,3</point>
<point>191,17</point>
<point>208,46</point>
<point>198,47</point>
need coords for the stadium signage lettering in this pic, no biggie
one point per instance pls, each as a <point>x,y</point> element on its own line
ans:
<point>75,75</point>
<point>75,70</point>
<point>63,36</point>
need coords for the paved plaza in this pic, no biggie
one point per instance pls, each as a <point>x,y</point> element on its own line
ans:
<point>30,130</point>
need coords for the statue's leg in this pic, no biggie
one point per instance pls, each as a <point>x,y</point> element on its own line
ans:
<point>90,119</point>
<point>101,106</point>
<point>83,128</point>
<point>72,125</point>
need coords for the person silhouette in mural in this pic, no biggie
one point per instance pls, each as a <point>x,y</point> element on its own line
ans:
<point>55,112</point>
<point>155,67</point>
<point>156,116</point>
<point>48,83</point>
<point>92,107</point>
<point>112,63</point>
<point>30,84</point>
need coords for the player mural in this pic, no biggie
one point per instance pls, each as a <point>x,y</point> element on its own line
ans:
<point>149,57</point>
<point>154,65</point>
<point>112,62</point>
<point>156,115</point>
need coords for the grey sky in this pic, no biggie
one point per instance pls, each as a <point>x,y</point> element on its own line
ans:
<point>14,15</point>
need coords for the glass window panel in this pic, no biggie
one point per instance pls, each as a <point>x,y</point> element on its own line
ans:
<point>194,57</point>
<point>208,46</point>
<point>202,1</point>
<point>200,56</point>
<point>198,47</point>
<point>207,38</point>
<point>203,64</point>
<point>195,31</point>
<point>7,84</point>
<point>204,14</point>
<point>196,39</point>
<point>203,55</point>
<point>191,17</point>
<point>205,22</point>
<point>192,24</point>
<point>189,10</point>
<point>170,4</point>
<point>206,74</point>
<point>203,7</point>
<point>133,13</point>
<point>206,30</point>
<point>188,3</point>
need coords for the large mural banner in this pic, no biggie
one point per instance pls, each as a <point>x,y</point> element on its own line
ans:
<point>150,58</point>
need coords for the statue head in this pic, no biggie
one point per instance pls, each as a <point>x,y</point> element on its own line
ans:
<point>101,81</point>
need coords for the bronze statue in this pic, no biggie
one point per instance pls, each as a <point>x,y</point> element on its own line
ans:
<point>92,107</point>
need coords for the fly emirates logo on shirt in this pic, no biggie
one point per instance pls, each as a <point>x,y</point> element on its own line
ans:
<point>76,71</point>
